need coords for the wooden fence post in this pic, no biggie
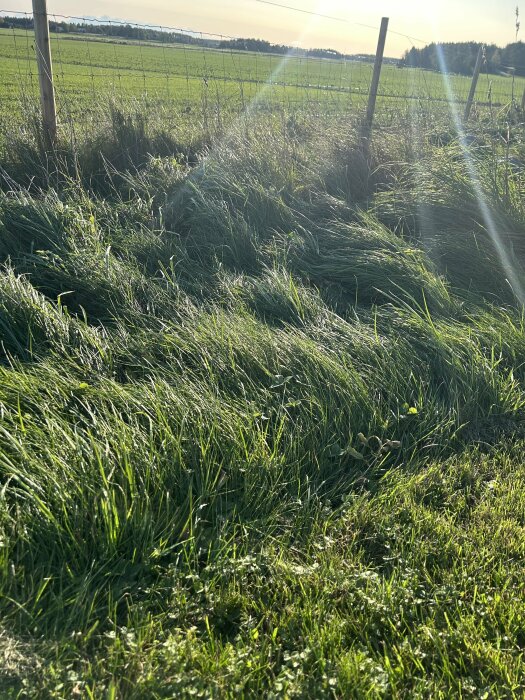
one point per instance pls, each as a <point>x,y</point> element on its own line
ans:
<point>45,71</point>
<point>372,97</point>
<point>474,84</point>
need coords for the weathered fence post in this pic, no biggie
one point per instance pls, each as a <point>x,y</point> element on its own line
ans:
<point>470,99</point>
<point>372,97</point>
<point>45,71</point>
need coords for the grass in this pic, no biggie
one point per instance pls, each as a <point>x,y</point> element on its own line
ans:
<point>89,70</point>
<point>261,415</point>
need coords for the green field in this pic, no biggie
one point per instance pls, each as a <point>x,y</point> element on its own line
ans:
<point>88,69</point>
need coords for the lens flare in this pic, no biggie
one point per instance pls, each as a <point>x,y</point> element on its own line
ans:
<point>488,218</point>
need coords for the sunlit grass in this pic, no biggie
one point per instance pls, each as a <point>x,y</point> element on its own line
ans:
<point>261,421</point>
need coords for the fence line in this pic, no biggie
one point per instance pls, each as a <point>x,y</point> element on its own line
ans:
<point>206,74</point>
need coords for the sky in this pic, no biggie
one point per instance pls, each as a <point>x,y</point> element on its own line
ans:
<point>420,20</point>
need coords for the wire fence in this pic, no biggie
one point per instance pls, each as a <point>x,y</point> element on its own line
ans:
<point>213,75</point>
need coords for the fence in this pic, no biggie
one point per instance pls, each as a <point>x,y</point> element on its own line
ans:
<point>212,75</point>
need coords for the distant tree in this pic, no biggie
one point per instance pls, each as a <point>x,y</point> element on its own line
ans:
<point>513,56</point>
<point>324,53</point>
<point>460,57</point>
<point>254,45</point>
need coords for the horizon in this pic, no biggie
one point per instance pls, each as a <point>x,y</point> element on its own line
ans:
<point>309,24</point>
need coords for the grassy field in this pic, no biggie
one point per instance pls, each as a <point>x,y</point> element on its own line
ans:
<point>88,70</point>
<point>261,413</point>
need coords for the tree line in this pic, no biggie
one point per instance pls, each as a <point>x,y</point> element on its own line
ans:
<point>124,31</point>
<point>129,31</point>
<point>262,46</point>
<point>460,57</point>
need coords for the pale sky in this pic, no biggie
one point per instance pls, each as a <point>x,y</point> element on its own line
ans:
<point>446,20</point>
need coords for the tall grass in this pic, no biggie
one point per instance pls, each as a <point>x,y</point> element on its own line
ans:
<point>259,435</point>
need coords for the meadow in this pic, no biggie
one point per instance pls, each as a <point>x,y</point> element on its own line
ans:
<point>90,69</point>
<point>262,410</point>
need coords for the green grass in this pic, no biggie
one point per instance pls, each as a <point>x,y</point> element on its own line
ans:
<point>261,414</point>
<point>88,70</point>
